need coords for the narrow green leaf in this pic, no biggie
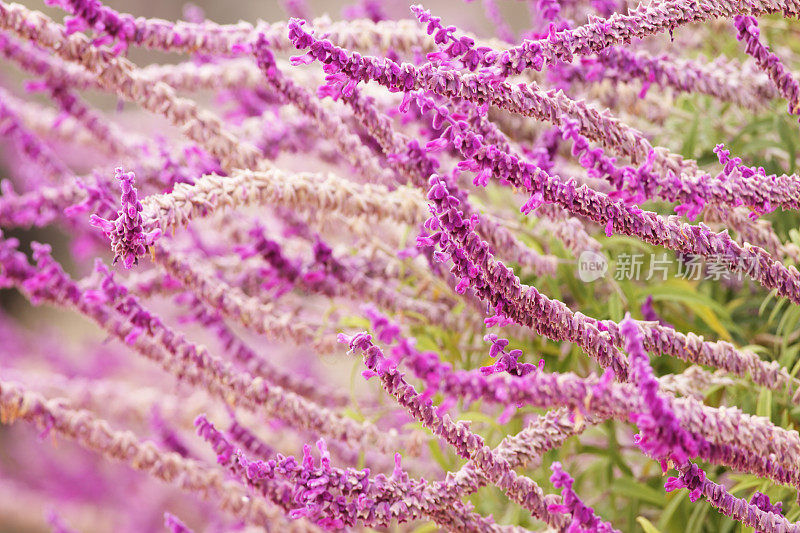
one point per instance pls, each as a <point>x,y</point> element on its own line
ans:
<point>647,526</point>
<point>632,489</point>
<point>787,135</point>
<point>690,142</point>
<point>764,405</point>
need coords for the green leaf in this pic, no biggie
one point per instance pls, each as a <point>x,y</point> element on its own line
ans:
<point>647,526</point>
<point>674,504</point>
<point>746,483</point>
<point>477,416</point>
<point>632,489</point>
<point>438,456</point>
<point>690,142</point>
<point>697,520</point>
<point>764,405</point>
<point>789,356</point>
<point>708,310</point>
<point>765,303</point>
<point>680,290</point>
<point>787,135</point>
<point>752,127</point>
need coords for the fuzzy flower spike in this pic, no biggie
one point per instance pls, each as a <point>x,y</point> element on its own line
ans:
<point>129,241</point>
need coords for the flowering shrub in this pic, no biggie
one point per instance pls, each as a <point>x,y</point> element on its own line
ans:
<point>565,253</point>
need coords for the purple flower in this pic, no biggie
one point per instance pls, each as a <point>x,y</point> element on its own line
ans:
<point>380,189</point>
<point>583,516</point>
<point>661,434</point>
<point>129,241</point>
<point>787,85</point>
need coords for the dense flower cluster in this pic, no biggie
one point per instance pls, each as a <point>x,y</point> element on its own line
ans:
<point>448,206</point>
<point>128,238</point>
